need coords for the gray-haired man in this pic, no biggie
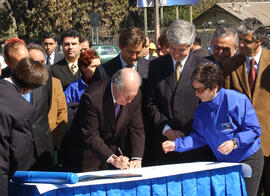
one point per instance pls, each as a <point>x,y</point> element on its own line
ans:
<point>171,100</point>
<point>224,43</point>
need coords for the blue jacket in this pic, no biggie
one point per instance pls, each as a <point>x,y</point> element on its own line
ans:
<point>75,90</point>
<point>230,115</point>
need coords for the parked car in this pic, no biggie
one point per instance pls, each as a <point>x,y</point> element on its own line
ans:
<point>106,52</point>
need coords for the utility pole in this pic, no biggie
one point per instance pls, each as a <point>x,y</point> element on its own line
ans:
<point>145,21</point>
<point>157,25</point>
<point>161,15</point>
<point>177,12</point>
<point>190,14</point>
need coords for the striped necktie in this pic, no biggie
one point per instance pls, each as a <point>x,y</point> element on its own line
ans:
<point>252,76</point>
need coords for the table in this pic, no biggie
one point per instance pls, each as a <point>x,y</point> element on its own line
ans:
<point>188,179</point>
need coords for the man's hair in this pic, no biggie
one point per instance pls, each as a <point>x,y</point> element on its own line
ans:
<point>49,35</point>
<point>119,79</point>
<point>209,74</point>
<point>163,39</point>
<point>86,39</point>
<point>29,74</point>
<point>9,46</point>
<point>71,33</point>
<point>132,36</point>
<point>34,46</point>
<point>254,26</point>
<point>181,32</point>
<point>225,32</point>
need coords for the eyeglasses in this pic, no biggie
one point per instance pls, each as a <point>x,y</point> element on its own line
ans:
<point>200,90</point>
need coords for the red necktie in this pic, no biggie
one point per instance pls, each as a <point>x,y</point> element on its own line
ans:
<point>252,75</point>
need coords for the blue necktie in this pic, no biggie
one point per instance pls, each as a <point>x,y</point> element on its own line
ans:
<point>116,109</point>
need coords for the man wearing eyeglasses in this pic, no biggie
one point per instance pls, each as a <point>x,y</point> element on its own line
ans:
<point>171,101</point>
<point>225,45</point>
<point>249,73</point>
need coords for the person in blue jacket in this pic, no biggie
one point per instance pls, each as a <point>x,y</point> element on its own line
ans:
<point>226,121</point>
<point>87,63</point>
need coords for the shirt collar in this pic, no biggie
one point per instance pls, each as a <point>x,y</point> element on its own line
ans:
<point>256,58</point>
<point>51,55</point>
<point>183,61</point>
<point>124,64</point>
<point>70,63</point>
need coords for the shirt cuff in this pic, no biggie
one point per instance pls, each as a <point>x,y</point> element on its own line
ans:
<point>109,158</point>
<point>165,129</point>
<point>136,158</point>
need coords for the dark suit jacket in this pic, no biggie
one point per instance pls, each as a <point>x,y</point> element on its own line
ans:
<point>171,103</point>
<point>211,58</point>
<point>16,117</point>
<point>200,52</point>
<point>109,68</point>
<point>5,73</point>
<point>96,134</point>
<point>236,78</point>
<point>41,150</point>
<point>63,73</point>
<point>39,156</point>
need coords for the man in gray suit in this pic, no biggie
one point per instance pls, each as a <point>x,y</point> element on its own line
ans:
<point>49,44</point>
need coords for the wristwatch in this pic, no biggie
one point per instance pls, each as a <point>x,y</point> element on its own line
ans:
<point>235,144</point>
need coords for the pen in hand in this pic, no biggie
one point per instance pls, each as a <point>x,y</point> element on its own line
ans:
<point>123,158</point>
<point>120,151</point>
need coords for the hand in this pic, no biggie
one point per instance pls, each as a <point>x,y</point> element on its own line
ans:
<point>119,162</point>
<point>135,164</point>
<point>168,146</point>
<point>226,147</point>
<point>173,134</point>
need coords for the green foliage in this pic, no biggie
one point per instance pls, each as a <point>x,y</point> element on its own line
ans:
<point>7,22</point>
<point>31,18</point>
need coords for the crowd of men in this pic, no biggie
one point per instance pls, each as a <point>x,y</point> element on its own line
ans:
<point>133,104</point>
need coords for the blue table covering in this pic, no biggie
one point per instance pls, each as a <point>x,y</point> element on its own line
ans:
<point>222,181</point>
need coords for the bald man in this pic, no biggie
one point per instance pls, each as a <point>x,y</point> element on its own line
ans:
<point>108,109</point>
<point>39,157</point>
<point>13,53</point>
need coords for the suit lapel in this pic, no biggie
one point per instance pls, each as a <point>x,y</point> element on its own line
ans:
<point>263,64</point>
<point>242,76</point>
<point>170,79</point>
<point>185,75</point>
<point>109,107</point>
<point>65,69</point>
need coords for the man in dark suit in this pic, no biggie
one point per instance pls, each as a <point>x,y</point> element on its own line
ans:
<point>39,156</point>
<point>17,116</point>
<point>224,45</point>
<point>67,69</point>
<point>130,44</point>
<point>107,110</point>
<point>49,44</point>
<point>249,73</point>
<point>171,100</point>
